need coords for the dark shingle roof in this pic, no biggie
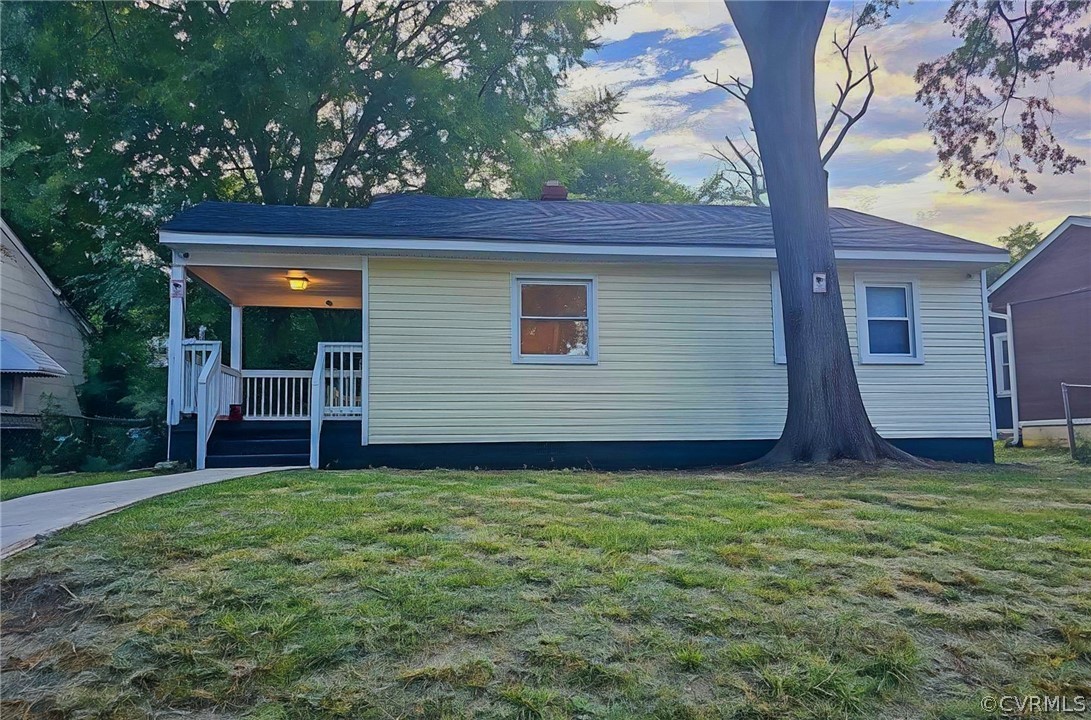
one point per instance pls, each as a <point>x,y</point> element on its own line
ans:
<point>425,216</point>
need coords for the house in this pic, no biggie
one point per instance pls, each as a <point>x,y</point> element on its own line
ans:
<point>511,333</point>
<point>1041,336</point>
<point>41,340</point>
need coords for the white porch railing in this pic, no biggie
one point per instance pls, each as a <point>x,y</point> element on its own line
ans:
<point>337,387</point>
<point>194,355</point>
<point>218,388</point>
<point>343,379</point>
<point>276,394</point>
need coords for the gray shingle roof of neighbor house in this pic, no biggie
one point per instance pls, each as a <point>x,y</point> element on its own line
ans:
<point>571,221</point>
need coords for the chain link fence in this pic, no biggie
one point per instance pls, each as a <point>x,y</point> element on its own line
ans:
<point>50,443</point>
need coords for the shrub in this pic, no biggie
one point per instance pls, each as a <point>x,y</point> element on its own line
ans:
<point>62,447</point>
<point>94,463</point>
<point>20,468</point>
<point>1083,452</point>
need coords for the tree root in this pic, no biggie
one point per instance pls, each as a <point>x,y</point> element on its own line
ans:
<point>788,451</point>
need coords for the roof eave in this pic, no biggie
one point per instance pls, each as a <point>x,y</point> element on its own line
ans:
<point>476,248</point>
<point>34,373</point>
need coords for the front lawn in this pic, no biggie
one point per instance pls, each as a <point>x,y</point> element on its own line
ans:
<point>18,487</point>
<point>381,594</point>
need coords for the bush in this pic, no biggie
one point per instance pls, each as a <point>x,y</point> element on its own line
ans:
<point>1083,452</point>
<point>62,447</point>
<point>96,444</point>
<point>144,447</point>
<point>20,468</point>
<point>94,463</point>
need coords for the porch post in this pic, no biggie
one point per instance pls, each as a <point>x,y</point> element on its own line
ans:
<point>236,337</point>
<point>174,340</point>
<point>365,355</point>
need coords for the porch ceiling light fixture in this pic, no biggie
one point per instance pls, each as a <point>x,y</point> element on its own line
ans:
<point>298,282</point>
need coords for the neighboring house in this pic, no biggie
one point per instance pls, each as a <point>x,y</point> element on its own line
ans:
<point>511,333</point>
<point>41,339</point>
<point>1041,320</point>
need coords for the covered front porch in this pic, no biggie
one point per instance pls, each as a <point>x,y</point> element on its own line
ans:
<point>223,412</point>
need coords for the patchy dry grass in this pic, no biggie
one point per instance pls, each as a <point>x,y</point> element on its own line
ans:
<point>853,593</point>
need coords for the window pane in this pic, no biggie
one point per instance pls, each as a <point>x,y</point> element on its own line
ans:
<point>1004,351</point>
<point>888,337</point>
<point>7,390</point>
<point>554,301</point>
<point>553,337</point>
<point>886,302</point>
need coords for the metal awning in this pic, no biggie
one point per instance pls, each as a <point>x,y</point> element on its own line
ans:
<point>20,356</point>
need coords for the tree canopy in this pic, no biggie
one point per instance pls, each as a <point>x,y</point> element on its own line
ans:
<point>990,102</point>
<point>118,114</point>
<point>1019,240</point>
<point>601,168</point>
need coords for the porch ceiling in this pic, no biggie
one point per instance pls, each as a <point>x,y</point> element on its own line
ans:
<point>268,287</point>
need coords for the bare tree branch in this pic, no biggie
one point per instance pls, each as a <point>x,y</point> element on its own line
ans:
<point>737,88</point>
<point>851,118</point>
<point>745,165</point>
<point>745,162</point>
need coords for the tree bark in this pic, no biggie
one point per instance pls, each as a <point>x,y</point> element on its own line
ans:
<point>826,415</point>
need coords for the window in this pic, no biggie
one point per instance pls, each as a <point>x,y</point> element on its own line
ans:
<point>779,355</point>
<point>553,320</point>
<point>1002,364</point>
<point>11,388</point>
<point>887,321</point>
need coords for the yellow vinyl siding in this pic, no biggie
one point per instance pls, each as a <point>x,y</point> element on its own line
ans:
<point>685,352</point>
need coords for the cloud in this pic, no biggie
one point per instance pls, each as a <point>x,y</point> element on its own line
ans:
<point>679,19</point>
<point>887,164</point>
<point>931,201</point>
<point>921,141</point>
<point>676,145</point>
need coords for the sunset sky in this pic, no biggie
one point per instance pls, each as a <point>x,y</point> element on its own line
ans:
<point>657,53</point>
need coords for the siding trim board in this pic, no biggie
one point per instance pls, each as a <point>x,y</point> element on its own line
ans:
<point>1058,421</point>
<point>780,354</point>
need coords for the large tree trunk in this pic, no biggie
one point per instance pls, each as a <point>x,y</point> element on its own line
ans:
<point>826,416</point>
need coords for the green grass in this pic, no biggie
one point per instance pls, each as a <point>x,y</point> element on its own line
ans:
<point>848,593</point>
<point>18,487</point>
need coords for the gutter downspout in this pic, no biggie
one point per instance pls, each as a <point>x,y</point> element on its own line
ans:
<point>1017,437</point>
<point>989,375</point>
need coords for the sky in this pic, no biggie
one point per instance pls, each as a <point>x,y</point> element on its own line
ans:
<point>658,52</point>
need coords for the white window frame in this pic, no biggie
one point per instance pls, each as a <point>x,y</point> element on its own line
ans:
<point>915,356</point>
<point>591,283</point>
<point>780,355</point>
<point>999,339</point>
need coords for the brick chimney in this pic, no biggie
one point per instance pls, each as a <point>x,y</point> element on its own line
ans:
<point>554,190</point>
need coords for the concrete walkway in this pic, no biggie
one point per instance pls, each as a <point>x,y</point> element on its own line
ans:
<point>24,519</point>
